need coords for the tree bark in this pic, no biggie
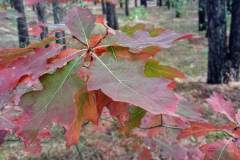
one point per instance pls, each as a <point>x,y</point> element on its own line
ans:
<point>127,7</point>
<point>233,57</point>
<point>229,5</point>
<point>57,17</point>
<point>22,26</point>
<point>168,4</point>
<point>177,8</point>
<point>202,9</point>
<point>42,18</point>
<point>111,15</point>
<point>159,3</point>
<point>143,3</point>
<point>135,3</point>
<point>103,3</point>
<point>121,3</point>
<point>216,40</point>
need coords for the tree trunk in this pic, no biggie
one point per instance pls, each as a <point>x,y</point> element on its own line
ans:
<point>58,16</point>
<point>127,7</point>
<point>216,40</point>
<point>143,3</point>
<point>168,4</point>
<point>121,3</point>
<point>177,7</point>
<point>42,18</point>
<point>135,3</point>
<point>21,24</point>
<point>111,15</point>
<point>234,45</point>
<point>103,3</point>
<point>159,3</point>
<point>202,9</point>
<point>229,5</point>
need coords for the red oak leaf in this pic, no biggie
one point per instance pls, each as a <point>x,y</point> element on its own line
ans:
<point>220,105</point>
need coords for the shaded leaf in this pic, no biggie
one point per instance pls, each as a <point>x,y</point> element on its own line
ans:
<point>119,110</point>
<point>134,121</point>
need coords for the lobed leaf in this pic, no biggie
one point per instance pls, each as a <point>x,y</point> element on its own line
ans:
<point>154,69</point>
<point>48,104</point>
<point>43,61</point>
<point>220,105</point>
<point>81,23</point>
<point>124,81</point>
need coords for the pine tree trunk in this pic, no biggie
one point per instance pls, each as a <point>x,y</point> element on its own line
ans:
<point>143,3</point>
<point>202,9</point>
<point>58,16</point>
<point>23,35</point>
<point>135,3</point>
<point>229,5</point>
<point>42,18</point>
<point>121,3</point>
<point>177,8</point>
<point>103,3</point>
<point>159,3</point>
<point>127,7</point>
<point>111,15</point>
<point>168,4</point>
<point>216,40</point>
<point>234,44</point>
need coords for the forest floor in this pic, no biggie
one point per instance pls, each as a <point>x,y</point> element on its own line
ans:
<point>98,143</point>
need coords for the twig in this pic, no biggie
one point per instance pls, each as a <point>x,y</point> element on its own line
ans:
<point>162,126</point>
<point>79,152</point>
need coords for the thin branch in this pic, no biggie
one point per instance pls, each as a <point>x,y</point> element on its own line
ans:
<point>79,152</point>
<point>162,126</point>
<point>105,35</point>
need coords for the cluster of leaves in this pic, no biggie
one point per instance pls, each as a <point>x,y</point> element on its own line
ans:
<point>113,70</point>
<point>226,146</point>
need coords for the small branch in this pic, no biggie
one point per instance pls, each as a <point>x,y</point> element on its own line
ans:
<point>105,35</point>
<point>84,44</point>
<point>79,152</point>
<point>162,126</point>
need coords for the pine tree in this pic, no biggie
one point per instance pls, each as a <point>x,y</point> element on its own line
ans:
<point>216,40</point>
<point>202,9</point>
<point>127,7</point>
<point>42,18</point>
<point>22,26</point>
<point>233,56</point>
<point>58,16</point>
<point>111,15</point>
<point>143,3</point>
<point>159,2</point>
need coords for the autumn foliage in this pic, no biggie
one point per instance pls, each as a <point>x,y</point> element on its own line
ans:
<point>113,70</point>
